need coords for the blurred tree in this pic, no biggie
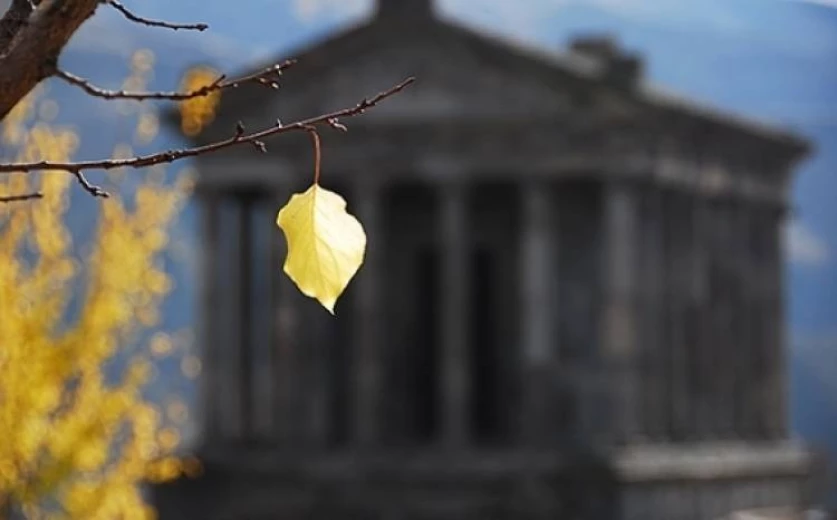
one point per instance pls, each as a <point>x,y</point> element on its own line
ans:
<point>77,434</point>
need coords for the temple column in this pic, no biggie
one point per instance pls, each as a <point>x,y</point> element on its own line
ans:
<point>231,389</point>
<point>725,369</point>
<point>654,396</point>
<point>774,322</point>
<point>246,203</point>
<point>676,219</point>
<point>747,359</point>
<point>618,327</point>
<point>369,319</point>
<point>538,275</point>
<point>758,321</point>
<point>285,303</point>
<point>455,313</point>
<point>703,367</point>
<point>716,332</point>
<point>261,320</point>
<point>210,341</point>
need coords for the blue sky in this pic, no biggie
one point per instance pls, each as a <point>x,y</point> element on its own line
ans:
<point>770,59</point>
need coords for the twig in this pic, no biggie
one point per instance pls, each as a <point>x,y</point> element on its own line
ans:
<point>21,197</point>
<point>154,23</point>
<point>174,155</point>
<point>263,77</point>
<point>337,125</point>
<point>90,188</point>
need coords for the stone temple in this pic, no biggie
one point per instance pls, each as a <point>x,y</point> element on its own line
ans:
<point>571,305</point>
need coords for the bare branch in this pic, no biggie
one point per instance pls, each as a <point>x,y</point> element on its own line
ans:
<point>267,76</point>
<point>92,189</point>
<point>239,137</point>
<point>337,125</point>
<point>154,23</point>
<point>21,197</point>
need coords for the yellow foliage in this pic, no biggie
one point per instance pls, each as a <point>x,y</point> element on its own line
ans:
<point>68,432</point>
<point>197,112</point>
<point>326,244</point>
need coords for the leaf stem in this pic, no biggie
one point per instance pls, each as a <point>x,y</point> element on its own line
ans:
<point>315,138</point>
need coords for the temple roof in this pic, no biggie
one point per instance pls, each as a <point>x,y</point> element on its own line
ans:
<point>594,63</point>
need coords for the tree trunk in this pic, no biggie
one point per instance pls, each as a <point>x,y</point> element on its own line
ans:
<point>30,54</point>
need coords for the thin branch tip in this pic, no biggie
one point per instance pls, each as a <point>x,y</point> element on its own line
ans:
<point>264,76</point>
<point>127,13</point>
<point>90,188</point>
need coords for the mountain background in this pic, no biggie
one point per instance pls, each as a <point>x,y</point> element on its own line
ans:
<point>774,60</point>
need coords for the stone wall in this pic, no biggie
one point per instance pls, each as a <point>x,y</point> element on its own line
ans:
<point>692,483</point>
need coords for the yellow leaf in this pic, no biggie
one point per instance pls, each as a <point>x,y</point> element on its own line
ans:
<point>325,244</point>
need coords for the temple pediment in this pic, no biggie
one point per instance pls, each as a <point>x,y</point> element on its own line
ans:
<point>464,74</point>
<point>594,101</point>
<point>453,81</point>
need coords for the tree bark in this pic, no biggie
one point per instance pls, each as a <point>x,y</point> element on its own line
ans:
<point>31,52</point>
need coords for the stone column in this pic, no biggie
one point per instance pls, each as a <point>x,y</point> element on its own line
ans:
<point>262,323</point>
<point>230,388</point>
<point>369,319</point>
<point>317,382</point>
<point>285,301</point>
<point>774,275</point>
<point>538,282</point>
<point>246,345</point>
<point>748,359</point>
<point>618,327</point>
<point>455,290</point>
<point>677,287</point>
<point>758,317</point>
<point>210,341</point>
<point>654,401</point>
<point>724,341</point>
<point>703,360</point>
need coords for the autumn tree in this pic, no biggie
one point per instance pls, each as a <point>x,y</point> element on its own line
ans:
<point>78,435</point>
<point>75,442</point>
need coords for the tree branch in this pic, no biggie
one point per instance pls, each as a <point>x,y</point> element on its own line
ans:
<point>92,189</point>
<point>154,23</point>
<point>263,77</point>
<point>240,137</point>
<point>15,18</point>
<point>31,54</point>
<point>21,197</point>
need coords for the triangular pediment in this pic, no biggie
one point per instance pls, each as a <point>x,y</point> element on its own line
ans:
<point>456,78</point>
<point>450,83</point>
<point>460,75</point>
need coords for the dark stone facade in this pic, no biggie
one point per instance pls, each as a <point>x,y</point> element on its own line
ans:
<point>571,305</point>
